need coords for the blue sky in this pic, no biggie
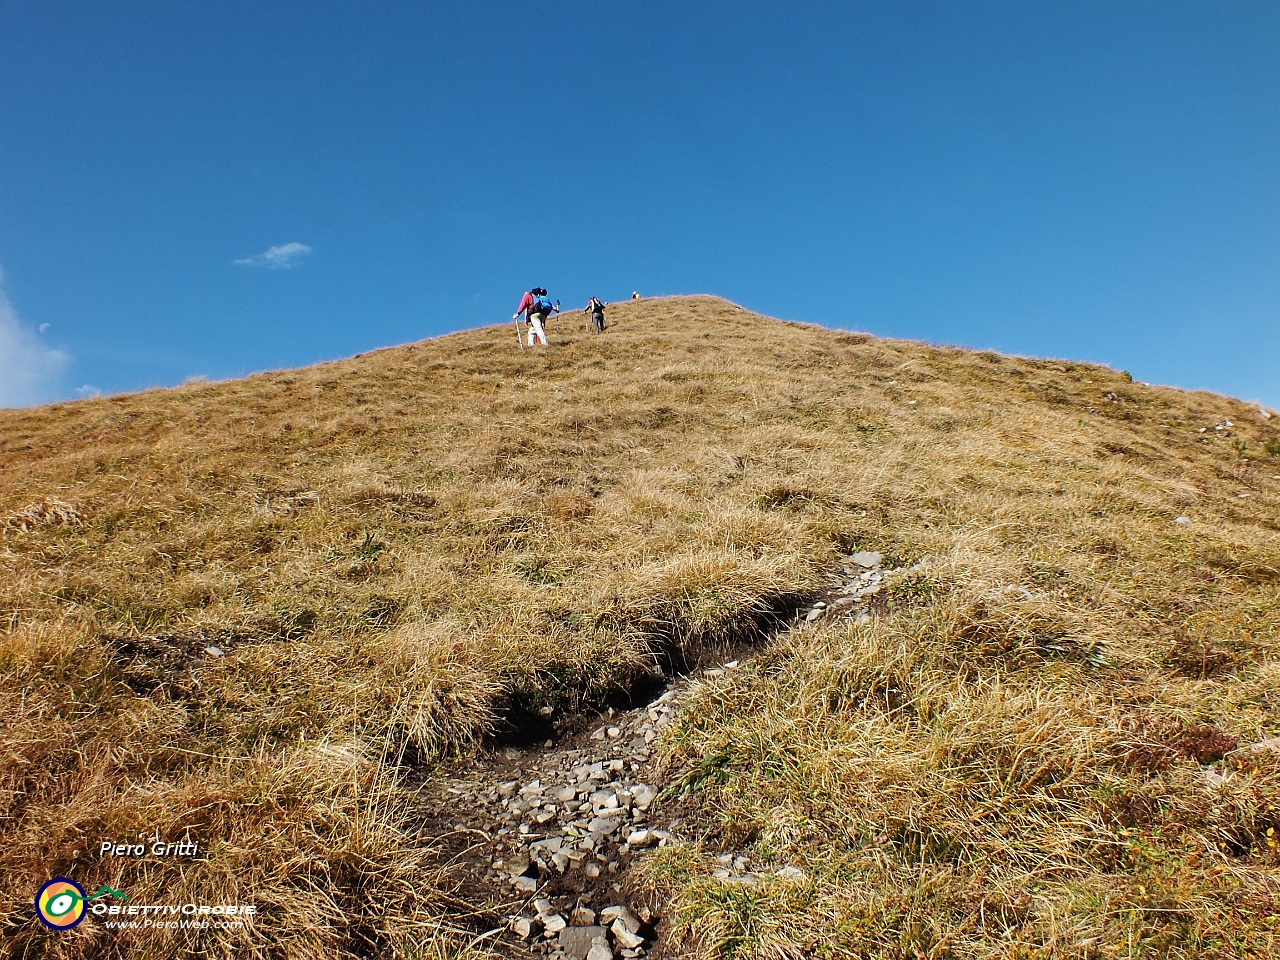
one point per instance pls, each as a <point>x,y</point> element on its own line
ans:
<point>1096,181</point>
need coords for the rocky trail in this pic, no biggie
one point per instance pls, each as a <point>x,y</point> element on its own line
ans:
<point>543,835</point>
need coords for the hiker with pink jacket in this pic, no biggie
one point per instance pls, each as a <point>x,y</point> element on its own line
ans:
<point>536,307</point>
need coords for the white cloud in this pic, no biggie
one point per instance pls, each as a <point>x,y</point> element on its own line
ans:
<point>88,392</point>
<point>29,371</point>
<point>283,257</point>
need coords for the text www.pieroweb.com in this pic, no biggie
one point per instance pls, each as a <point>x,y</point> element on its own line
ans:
<point>150,924</point>
<point>188,916</point>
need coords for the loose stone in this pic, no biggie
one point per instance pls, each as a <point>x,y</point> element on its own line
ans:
<point>624,937</point>
<point>524,928</point>
<point>576,941</point>
<point>554,923</point>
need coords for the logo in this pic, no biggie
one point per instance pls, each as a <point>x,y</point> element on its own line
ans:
<point>60,902</point>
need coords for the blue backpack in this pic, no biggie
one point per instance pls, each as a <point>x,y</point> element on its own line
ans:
<point>541,304</point>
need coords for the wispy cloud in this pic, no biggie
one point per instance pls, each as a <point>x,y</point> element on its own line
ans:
<point>29,370</point>
<point>283,257</point>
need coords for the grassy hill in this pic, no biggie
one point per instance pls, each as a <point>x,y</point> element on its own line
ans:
<point>258,613</point>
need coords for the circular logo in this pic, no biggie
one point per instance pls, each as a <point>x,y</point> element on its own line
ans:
<point>60,904</point>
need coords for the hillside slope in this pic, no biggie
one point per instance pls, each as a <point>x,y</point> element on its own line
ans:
<point>261,613</point>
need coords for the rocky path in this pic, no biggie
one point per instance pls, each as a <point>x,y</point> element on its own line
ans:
<point>548,833</point>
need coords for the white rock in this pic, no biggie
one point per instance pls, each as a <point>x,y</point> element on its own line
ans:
<point>524,928</point>
<point>214,651</point>
<point>867,558</point>
<point>1182,520</point>
<point>813,615</point>
<point>623,936</point>
<point>642,795</point>
<point>575,942</point>
<point>602,825</point>
<point>620,914</point>
<point>638,839</point>
<point>554,923</point>
<point>598,797</point>
<point>599,951</point>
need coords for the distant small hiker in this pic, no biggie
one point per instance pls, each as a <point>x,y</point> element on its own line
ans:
<point>596,309</point>
<point>635,295</point>
<point>536,307</point>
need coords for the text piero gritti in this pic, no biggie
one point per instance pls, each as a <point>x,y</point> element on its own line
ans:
<point>156,848</point>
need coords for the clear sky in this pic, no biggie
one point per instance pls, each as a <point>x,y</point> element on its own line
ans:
<point>221,187</point>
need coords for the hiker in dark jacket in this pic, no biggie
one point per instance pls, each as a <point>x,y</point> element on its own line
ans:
<point>596,309</point>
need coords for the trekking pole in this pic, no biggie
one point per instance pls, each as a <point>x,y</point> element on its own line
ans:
<point>519,338</point>
<point>557,318</point>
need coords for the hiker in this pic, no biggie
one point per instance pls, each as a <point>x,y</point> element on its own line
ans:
<point>635,295</point>
<point>536,307</point>
<point>596,309</point>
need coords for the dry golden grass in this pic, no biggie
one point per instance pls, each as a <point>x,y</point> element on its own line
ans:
<point>390,548</point>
